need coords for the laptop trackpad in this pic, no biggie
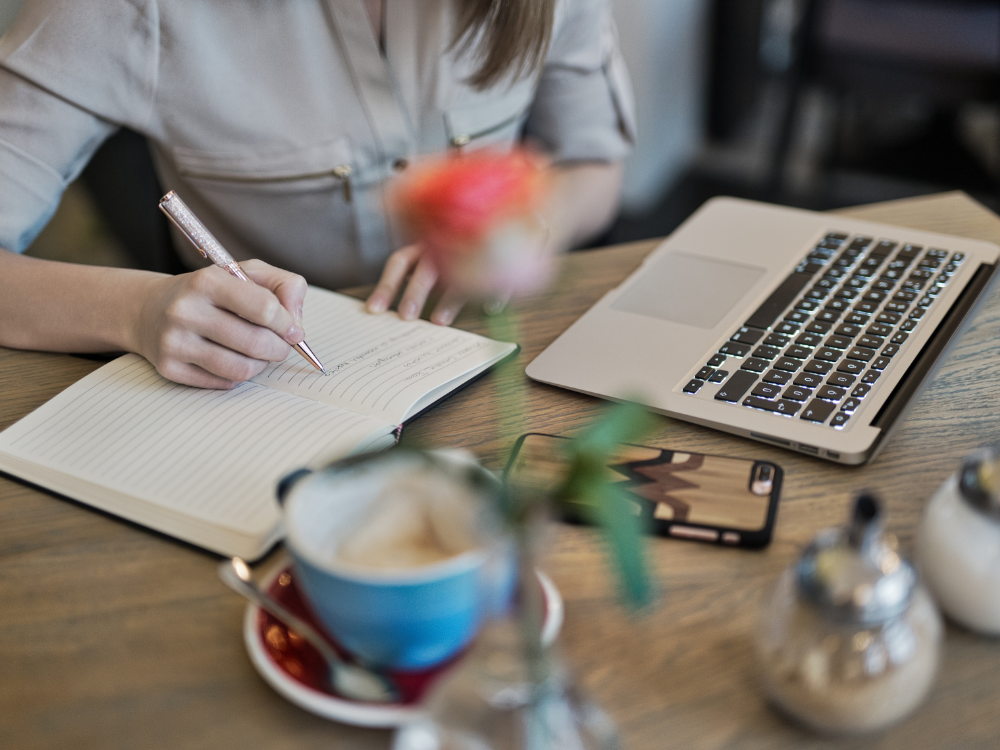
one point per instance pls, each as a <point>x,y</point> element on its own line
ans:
<point>688,289</point>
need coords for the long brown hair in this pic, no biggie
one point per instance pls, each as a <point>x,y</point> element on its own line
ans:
<point>515,36</point>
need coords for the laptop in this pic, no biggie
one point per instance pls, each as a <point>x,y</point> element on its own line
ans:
<point>805,330</point>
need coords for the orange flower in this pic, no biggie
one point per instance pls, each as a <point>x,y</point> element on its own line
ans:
<point>477,216</point>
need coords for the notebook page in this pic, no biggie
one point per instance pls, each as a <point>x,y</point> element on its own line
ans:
<point>379,365</point>
<point>214,456</point>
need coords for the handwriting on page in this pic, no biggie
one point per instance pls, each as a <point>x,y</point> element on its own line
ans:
<point>216,455</point>
<point>378,364</point>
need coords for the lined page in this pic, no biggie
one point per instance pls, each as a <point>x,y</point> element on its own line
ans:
<point>209,455</point>
<point>379,365</point>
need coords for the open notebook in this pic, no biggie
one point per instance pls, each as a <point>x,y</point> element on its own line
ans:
<point>202,465</point>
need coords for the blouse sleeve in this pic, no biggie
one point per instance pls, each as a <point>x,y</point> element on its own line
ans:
<point>584,109</point>
<point>71,71</point>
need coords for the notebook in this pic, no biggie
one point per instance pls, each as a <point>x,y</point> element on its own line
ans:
<point>801,329</point>
<point>202,465</point>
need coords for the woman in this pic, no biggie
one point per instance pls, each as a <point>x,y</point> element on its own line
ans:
<point>280,124</point>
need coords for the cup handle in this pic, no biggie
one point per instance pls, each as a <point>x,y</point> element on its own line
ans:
<point>288,481</point>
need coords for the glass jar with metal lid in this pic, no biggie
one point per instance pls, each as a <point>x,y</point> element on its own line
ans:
<point>958,545</point>
<point>849,639</point>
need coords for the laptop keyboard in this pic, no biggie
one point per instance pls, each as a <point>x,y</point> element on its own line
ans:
<point>816,347</point>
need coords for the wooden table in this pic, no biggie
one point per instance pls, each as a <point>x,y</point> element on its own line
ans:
<point>112,636</point>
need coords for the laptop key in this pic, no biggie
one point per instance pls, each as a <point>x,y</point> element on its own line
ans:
<point>797,316</point>
<point>818,410</point>
<point>776,339</point>
<point>862,353</point>
<point>871,376</point>
<point>857,318</point>
<point>780,299</point>
<point>840,379</point>
<point>866,307</point>
<point>908,325</point>
<point>704,373</point>
<point>899,338</point>
<point>718,376</point>
<point>787,364</point>
<point>880,363</point>
<point>850,405</point>
<point>889,318</point>
<point>766,352</point>
<point>716,360</point>
<point>917,313</point>
<point>860,390</point>
<point>806,304</point>
<point>830,393</point>
<point>848,329</point>
<point>754,365</point>
<point>692,386</point>
<point>872,342</point>
<point>838,342</point>
<point>890,350</point>
<point>735,349</point>
<point>786,327</point>
<point>809,380</point>
<point>778,407</point>
<point>828,316</point>
<point>797,393</point>
<point>738,384</point>
<point>747,335</point>
<point>839,420</point>
<point>879,329</point>
<point>904,296</point>
<point>798,352</point>
<point>818,327</point>
<point>818,368</point>
<point>828,355</point>
<point>809,339</point>
<point>777,377</point>
<point>766,390</point>
<point>851,367</point>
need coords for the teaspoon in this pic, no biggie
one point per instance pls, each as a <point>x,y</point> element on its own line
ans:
<point>349,680</point>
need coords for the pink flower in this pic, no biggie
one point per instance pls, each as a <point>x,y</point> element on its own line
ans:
<point>477,217</point>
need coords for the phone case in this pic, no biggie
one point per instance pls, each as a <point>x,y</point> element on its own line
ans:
<point>715,499</point>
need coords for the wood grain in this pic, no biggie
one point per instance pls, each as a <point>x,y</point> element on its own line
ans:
<point>112,636</point>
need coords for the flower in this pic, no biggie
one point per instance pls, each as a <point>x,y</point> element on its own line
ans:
<point>477,216</point>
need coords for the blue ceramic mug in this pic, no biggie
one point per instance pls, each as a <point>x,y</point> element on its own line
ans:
<point>402,618</point>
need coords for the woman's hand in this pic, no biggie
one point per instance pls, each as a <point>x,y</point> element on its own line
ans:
<point>411,262</point>
<point>212,330</point>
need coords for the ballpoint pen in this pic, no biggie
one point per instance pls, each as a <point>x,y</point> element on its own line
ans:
<point>210,248</point>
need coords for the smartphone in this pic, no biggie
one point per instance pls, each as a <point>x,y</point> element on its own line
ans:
<point>715,499</point>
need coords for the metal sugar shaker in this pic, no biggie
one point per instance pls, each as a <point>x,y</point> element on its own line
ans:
<point>849,639</point>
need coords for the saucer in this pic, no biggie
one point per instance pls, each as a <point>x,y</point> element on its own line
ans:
<point>296,671</point>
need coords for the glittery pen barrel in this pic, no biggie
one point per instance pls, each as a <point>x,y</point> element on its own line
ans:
<point>190,226</point>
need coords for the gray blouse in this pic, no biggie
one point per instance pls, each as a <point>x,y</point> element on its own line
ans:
<point>280,121</point>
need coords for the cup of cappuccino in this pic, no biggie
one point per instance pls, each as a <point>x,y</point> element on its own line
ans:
<point>399,555</point>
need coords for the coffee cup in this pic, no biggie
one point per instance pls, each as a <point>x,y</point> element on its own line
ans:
<point>399,594</point>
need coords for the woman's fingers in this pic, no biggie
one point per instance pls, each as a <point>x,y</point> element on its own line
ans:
<point>289,288</point>
<point>418,288</point>
<point>252,302</point>
<point>450,304</point>
<point>397,268</point>
<point>191,359</point>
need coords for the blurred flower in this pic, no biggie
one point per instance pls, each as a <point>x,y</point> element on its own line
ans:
<point>477,216</point>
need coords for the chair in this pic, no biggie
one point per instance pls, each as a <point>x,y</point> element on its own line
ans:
<point>945,52</point>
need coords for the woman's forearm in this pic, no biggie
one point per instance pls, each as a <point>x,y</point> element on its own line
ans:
<point>50,306</point>
<point>584,201</point>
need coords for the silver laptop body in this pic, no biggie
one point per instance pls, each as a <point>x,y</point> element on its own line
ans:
<point>805,330</point>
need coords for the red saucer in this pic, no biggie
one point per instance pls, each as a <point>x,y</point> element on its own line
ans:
<point>296,670</point>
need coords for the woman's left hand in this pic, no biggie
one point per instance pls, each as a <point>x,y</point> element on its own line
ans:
<point>411,266</point>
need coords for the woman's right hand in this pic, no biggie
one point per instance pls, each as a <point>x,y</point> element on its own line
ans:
<point>212,330</point>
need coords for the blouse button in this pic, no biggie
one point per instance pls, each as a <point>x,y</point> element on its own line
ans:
<point>400,164</point>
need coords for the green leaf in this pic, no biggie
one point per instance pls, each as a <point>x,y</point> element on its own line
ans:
<point>589,487</point>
